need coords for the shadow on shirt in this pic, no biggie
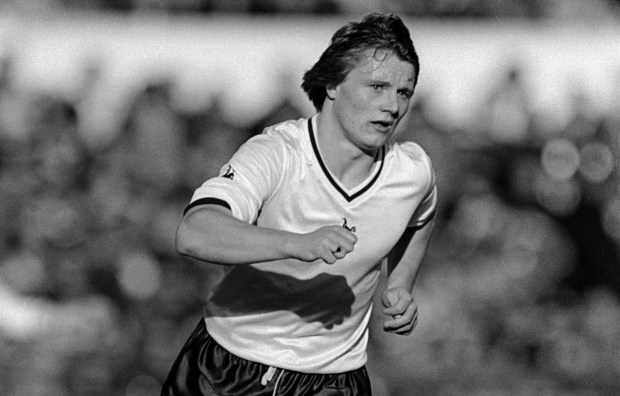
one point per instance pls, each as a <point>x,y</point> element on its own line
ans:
<point>245,290</point>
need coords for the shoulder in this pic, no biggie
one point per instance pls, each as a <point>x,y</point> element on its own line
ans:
<point>278,139</point>
<point>289,133</point>
<point>413,163</point>
<point>411,152</point>
<point>290,138</point>
<point>418,169</point>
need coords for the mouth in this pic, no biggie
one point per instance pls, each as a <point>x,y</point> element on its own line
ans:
<point>384,125</point>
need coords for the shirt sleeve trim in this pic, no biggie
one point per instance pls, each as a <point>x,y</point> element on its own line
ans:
<point>423,223</point>
<point>207,201</point>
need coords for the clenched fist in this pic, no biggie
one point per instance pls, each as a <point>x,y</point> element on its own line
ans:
<point>328,243</point>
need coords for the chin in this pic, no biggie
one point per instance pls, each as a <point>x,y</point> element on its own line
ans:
<point>372,147</point>
<point>381,137</point>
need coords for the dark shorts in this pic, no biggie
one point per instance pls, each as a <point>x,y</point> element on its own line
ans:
<point>205,368</point>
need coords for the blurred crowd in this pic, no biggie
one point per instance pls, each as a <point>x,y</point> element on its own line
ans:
<point>519,293</point>
<point>420,8</point>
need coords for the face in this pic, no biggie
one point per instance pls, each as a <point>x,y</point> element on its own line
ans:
<point>373,98</point>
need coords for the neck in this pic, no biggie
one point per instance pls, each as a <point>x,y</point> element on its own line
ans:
<point>346,161</point>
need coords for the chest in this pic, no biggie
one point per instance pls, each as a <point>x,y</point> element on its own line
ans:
<point>378,211</point>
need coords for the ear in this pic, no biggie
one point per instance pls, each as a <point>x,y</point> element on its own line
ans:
<point>331,92</point>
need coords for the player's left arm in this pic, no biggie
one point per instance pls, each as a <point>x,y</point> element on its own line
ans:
<point>403,266</point>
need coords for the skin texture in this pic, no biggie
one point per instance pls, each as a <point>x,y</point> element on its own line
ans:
<point>362,112</point>
<point>210,233</point>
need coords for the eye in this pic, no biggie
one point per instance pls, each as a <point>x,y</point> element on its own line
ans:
<point>377,87</point>
<point>405,93</point>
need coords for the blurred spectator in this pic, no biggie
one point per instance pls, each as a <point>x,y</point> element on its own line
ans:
<point>211,140</point>
<point>594,10</point>
<point>506,113</point>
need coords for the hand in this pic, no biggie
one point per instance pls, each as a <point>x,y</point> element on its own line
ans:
<point>329,244</point>
<point>401,309</point>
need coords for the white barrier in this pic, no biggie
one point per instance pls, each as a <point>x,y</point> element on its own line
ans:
<point>252,62</point>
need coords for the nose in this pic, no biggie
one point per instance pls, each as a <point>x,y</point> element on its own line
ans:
<point>390,104</point>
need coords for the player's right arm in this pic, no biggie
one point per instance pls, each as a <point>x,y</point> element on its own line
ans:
<point>218,225</point>
<point>210,233</point>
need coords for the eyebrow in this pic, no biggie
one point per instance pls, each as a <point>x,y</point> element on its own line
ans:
<point>383,81</point>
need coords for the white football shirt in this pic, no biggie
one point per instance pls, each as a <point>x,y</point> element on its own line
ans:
<point>310,317</point>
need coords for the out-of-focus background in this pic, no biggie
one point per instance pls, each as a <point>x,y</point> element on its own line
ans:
<point>112,112</point>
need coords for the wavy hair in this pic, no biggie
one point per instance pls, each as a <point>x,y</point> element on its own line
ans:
<point>347,47</point>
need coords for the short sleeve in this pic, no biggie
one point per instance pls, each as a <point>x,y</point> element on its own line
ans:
<point>248,179</point>
<point>426,209</point>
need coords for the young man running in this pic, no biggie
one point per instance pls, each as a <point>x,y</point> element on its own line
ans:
<point>303,216</point>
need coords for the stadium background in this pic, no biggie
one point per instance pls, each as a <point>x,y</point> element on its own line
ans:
<point>112,112</point>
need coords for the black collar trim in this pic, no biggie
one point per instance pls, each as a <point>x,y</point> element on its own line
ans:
<point>348,197</point>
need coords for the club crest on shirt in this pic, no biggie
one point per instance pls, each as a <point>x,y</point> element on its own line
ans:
<point>352,229</point>
<point>230,173</point>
